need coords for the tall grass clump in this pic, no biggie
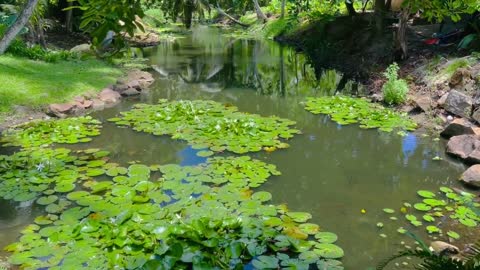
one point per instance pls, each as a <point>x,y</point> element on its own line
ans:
<point>395,90</point>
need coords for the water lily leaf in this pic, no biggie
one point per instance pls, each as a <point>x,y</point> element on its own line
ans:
<point>265,262</point>
<point>468,222</point>
<point>426,194</point>
<point>262,196</point>
<point>433,229</point>
<point>329,251</point>
<point>205,153</point>
<point>299,216</point>
<point>422,207</point>
<point>428,218</point>
<point>453,235</point>
<point>326,237</point>
<point>388,210</point>
<point>47,200</point>
<point>329,265</point>
<point>309,228</point>
<point>95,172</point>
<point>64,187</point>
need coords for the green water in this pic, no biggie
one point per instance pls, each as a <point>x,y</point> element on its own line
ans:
<point>331,171</point>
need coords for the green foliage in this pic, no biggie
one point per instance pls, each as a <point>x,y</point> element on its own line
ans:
<point>44,133</point>
<point>455,65</point>
<point>36,52</point>
<point>460,209</point>
<point>438,10</point>
<point>395,90</point>
<point>208,124</point>
<point>281,26</point>
<point>193,216</point>
<point>347,110</point>
<point>101,16</point>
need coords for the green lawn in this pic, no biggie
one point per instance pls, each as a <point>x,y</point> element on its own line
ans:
<point>37,83</point>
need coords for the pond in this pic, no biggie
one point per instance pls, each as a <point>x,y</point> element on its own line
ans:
<point>343,175</point>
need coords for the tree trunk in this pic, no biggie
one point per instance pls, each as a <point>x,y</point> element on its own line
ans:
<point>41,34</point>
<point>188,13</point>
<point>223,13</point>
<point>260,15</point>
<point>68,18</point>
<point>17,26</point>
<point>284,5</point>
<point>401,48</point>
<point>350,7</point>
<point>380,9</point>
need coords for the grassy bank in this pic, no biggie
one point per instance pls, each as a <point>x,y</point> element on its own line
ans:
<point>36,83</point>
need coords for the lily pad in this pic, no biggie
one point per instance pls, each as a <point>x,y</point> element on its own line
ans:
<point>329,251</point>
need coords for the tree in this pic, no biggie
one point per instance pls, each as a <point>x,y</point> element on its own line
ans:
<point>260,15</point>
<point>284,4</point>
<point>18,25</point>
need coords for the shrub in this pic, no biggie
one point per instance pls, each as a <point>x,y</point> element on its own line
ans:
<point>19,48</point>
<point>394,90</point>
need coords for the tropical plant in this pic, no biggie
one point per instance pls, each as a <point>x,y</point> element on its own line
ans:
<point>102,17</point>
<point>18,25</point>
<point>395,90</point>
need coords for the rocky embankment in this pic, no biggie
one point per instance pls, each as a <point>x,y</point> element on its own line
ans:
<point>134,83</point>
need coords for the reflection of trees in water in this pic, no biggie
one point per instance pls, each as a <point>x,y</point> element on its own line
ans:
<point>214,62</point>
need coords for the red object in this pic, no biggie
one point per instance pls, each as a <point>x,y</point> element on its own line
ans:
<point>432,41</point>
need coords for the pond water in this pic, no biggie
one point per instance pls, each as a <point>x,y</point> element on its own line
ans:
<point>331,171</point>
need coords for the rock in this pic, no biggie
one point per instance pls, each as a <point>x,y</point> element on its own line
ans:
<point>476,115</point>
<point>107,95</point>
<point>79,99</point>
<point>60,110</point>
<point>135,84</point>
<point>82,48</point>
<point>376,98</point>
<point>424,103</point>
<point>443,248</point>
<point>472,176</point>
<point>97,104</point>
<point>458,127</point>
<point>120,87</point>
<point>130,92</point>
<point>459,104</point>
<point>462,146</point>
<point>459,77</point>
<point>442,100</point>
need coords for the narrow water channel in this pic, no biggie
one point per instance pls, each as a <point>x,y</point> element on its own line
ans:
<point>331,171</point>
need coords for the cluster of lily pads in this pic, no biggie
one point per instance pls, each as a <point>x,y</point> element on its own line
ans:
<point>444,207</point>
<point>106,216</point>
<point>47,132</point>
<point>209,125</point>
<point>349,110</point>
<point>43,172</point>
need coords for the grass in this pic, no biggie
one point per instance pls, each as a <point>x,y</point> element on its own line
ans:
<point>36,83</point>
<point>455,65</point>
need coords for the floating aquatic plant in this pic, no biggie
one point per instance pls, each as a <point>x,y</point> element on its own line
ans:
<point>460,208</point>
<point>40,173</point>
<point>208,124</point>
<point>193,216</point>
<point>46,132</point>
<point>348,110</point>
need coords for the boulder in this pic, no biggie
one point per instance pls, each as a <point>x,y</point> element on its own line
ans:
<point>476,115</point>
<point>97,104</point>
<point>459,104</point>
<point>109,96</point>
<point>471,176</point>
<point>442,248</point>
<point>442,100</point>
<point>60,110</point>
<point>135,84</point>
<point>458,127</point>
<point>462,146</point>
<point>130,92</point>
<point>120,87</point>
<point>459,77</point>
<point>424,103</point>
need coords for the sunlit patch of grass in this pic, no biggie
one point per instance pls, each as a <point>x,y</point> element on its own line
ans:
<point>36,83</point>
<point>455,65</point>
